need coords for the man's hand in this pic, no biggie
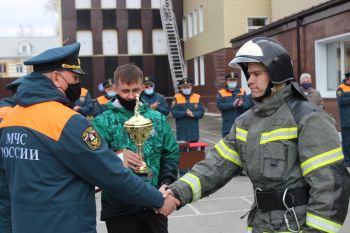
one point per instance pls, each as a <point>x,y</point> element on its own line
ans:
<point>154,105</point>
<point>170,204</point>
<point>133,160</point>
<point>76,108</point>
<point>240,102</point>
<point>235,103</point>
<point>189,113</point>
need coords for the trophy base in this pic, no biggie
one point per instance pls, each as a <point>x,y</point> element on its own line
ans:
<point>144,172</point>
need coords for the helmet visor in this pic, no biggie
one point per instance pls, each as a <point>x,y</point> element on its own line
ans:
<point>235,62</point>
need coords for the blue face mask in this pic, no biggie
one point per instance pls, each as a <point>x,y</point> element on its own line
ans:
<point>149,91</point>
<point>232,85</point>
<point>306,85</point>
<point>186,91</point>
<point>111,94</point>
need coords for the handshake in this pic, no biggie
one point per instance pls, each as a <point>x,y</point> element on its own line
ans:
<point>170,202</point>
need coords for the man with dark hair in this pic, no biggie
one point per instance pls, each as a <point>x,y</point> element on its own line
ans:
<point>160,154</point>
<point>52,158</point>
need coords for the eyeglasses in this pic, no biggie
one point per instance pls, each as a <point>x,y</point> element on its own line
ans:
<point>75,76</point>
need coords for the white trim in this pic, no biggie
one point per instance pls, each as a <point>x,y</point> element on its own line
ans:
<point>195,67</point>
<point>321,63</point>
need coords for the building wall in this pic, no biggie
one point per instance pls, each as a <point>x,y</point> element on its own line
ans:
<point>283,8</point>
<point>99,66</point>
<point>328,23</point>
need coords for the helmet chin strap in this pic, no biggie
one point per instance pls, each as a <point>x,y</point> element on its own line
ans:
<point>267,93</point>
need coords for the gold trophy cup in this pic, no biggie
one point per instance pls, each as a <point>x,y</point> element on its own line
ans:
<point>139,129</point>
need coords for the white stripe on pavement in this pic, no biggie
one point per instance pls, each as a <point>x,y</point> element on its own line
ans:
<point>210,213</point>
<point>194,209</point>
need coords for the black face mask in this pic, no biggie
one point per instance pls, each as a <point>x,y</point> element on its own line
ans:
<point>73,91</point>
<point>128,104</point>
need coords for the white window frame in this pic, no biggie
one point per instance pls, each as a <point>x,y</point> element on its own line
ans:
<point>155,4</point>
<point>133,4</point>
<point>201,18</point>
<point>256,17</point>
<point>195,21</point>
<point>244,83</point>
<point>19,68</point>
<point>108,4</point>
<point>134,50</point>
<point>110,36</point>
<point>195,70</point>
<point>202,70</point>
<point>321,63</point>
<point>184,28</point>
<point>82,4</point>
<point>190,25</point>
<point>159,42</point>
<point>86,48</point>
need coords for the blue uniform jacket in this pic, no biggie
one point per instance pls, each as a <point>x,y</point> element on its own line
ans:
<point>85,102</point>
<point>100,104</point>
<point>51,160</point>
<point>343,97</point>
<point>229,113</point>
<point>187,128</point>
<point>163,106</point>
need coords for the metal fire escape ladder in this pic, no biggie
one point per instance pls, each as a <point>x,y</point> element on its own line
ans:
<point>175,56</point>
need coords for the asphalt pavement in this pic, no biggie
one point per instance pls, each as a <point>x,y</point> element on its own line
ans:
<point>220,212</point>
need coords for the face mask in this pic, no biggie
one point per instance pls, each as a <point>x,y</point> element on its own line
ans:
<point>111,94</point>
<point>306,85</point>
<point>73,91</point>
<point>232,85</point>
<point>186,91</point>
<point>149,91</point>
<point>128,104</point>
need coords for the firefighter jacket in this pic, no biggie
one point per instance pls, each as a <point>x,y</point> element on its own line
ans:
<point>100,104</point>
<point>279,151</point>
<point>343,97</point>
<point>163,106</point>
<point>161,152</point>
<point>51,160</point>
<point>229,112</point>
<point>187,128</point>
<point>85,102</point>
<point>6,104</point>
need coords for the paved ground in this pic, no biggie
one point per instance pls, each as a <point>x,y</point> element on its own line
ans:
<point>220,212</point>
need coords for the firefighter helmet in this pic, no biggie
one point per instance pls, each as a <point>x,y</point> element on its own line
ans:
<point>269,52</point>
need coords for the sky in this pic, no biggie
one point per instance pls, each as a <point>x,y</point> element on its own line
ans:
<point>27,18</point>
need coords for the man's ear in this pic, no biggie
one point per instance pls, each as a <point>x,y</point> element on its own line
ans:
<point>54,76</point>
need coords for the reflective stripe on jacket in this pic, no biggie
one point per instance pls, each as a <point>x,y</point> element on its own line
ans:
<point>277,153</point>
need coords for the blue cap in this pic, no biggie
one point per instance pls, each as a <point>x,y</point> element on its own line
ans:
<point>61,58</point>
<point>14,84</point>
<point>147,80</point>
<point>185,81</point>
<point>347,74</point>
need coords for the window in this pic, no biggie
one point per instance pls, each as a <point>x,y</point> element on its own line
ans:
<point>202,70</point>
<point>24,48</point>
<point>256,23</point>
<point>159,42</point>
<point>332,60</point>
<point>82,4</point>
<point>155,4</point>
<point>108,4</point>
<point>133,4</point>
<point>201,19</point>
<point>110,42</point>
<point>19,68</point>
<point>135,41</point>
<point>195,22</point>
<point>85,39</point>
<point>184,28</point>
<point>2,67</point>
<point>190,25</point>
<point>195,69</point>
